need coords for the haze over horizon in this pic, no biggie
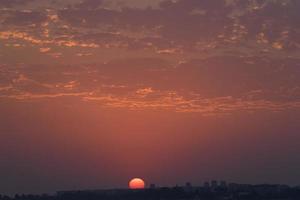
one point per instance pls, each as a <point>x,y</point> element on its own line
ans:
<point>96,92</point>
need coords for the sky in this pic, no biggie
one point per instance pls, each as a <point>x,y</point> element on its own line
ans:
<point>96,92</point>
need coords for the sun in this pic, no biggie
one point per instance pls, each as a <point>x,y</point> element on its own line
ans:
<point>136,183</point>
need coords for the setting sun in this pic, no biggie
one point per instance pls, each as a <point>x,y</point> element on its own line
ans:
<point>136,183</point>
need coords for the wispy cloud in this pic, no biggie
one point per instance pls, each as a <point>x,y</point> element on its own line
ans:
<point>231,55</point>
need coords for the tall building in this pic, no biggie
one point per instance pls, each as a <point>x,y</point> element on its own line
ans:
<point>152,186</point>
<point>188,187</point>
<point>223,184</point>
<point>206,184</point>
<point>214,184</point>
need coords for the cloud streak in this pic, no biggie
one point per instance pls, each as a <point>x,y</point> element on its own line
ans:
<point>231,55</point>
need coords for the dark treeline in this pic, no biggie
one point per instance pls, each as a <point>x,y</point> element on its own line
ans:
<point>232,192</point>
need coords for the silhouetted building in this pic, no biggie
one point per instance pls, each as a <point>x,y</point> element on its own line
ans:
<point>214,184</point>
<point>232,191</point>
<point>223,184</point>
<point>206,185</point>
<point>188,187</point>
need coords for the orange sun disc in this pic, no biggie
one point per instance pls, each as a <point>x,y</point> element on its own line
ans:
<point>136,183</point>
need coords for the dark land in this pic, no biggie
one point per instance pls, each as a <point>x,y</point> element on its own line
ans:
<point>209,191</point>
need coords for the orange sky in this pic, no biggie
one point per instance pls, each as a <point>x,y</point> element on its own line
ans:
<point>95,92</point>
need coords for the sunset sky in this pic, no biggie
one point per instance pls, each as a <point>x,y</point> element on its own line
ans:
<point>96,92</point>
